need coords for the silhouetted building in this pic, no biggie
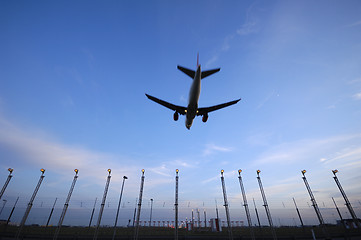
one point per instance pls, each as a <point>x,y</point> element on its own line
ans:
<point>348,223</point>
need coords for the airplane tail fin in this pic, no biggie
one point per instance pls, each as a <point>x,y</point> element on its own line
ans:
<point>197,60</point>
<point>192,73</point>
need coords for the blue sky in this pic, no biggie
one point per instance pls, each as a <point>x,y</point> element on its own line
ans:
<point>73,77</point>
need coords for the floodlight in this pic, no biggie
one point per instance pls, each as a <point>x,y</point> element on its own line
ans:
<point>239,171</point>
<point>125,177</point>
<point>76,171</point>
<point>143,170</point>
<point>335,171</point>
<point>109,171</point>
<point>176,170</point>
<point>258,171</point>
<point>303,172</point>
<point>10,170</point>
<point>42,170</point>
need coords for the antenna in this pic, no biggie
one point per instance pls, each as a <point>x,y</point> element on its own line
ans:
<point>197,59</point>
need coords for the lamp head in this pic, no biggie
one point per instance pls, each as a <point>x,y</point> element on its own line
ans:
<point>239,171</point>
<point>303,172</point>
<point>222,171</point>
<point>109,171</point>
<point>76,171</point>
<point>334,172</point>
<point>258,171</point>
<point>10,170</point>
<point>125,177</point>
<point>42,170</point>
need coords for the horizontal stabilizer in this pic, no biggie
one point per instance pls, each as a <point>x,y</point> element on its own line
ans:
<point>187,71</point>
<point>209,72</point>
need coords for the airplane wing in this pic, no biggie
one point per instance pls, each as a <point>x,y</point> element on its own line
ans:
<point>203,111</point>
<point>179,109</point>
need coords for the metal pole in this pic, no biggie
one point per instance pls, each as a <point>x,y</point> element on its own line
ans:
<point>102,205</point>
<point>348,204</point>
<point>199,218</point>
<point>151,211</point>
<point>135,213</point>
<point>30,204</point>
<point>139,206</point>
<point>120,200</point>
<point>338,210</point>
<point>176,206</point>
<point>298,213</point>
<point>205,218</point>
<point>266,206</point>
<point>314,204</point>
<point>12,210</point>
<point>6,182</point>
<point>4,202</point>
<point>91,216</point>
<point>230,235</point>
<point>216,209</point>
<point>245,204</point>
<point>192,220</point>
<point>66,204</point>
<point>255,209</point>
<point>51,212</point>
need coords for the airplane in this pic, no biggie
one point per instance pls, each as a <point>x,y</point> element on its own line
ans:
<point>192,110</point>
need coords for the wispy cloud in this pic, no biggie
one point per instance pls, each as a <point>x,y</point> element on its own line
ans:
<point>354,24</point>
<point>357,96</point>
<point>260,139</point>
<point>250,26</point>
<point>37,148</point>
<point>356,80</point>
<point>332,149</point>
<point>266,99</point>
<point>212,148</point>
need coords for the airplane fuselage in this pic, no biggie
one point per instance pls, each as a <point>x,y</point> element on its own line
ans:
<point>194,93</point>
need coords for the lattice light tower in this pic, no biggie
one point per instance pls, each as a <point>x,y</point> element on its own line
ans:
<point>136,230</point>
<point>120,200</point>
<point>6,182</point>
<point>66,204</point>
<point>30,204</point>
<point>245,204</point>
<point>266,206</point>
<point>230,235</point>
<point>176,206</point>
<point>348,204</point>
<point>102,205</point>
<point>315,206</point>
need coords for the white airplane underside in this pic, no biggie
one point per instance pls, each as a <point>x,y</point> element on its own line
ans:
<point>192,110</point>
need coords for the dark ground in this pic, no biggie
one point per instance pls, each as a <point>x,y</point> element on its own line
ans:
<point>150,233</point>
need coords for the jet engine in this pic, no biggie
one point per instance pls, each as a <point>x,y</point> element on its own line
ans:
<point>205,118</point>
<point>175,116</point>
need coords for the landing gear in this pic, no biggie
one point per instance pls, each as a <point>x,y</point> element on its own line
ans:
<point>175,116</point>
<point>205,118</point>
